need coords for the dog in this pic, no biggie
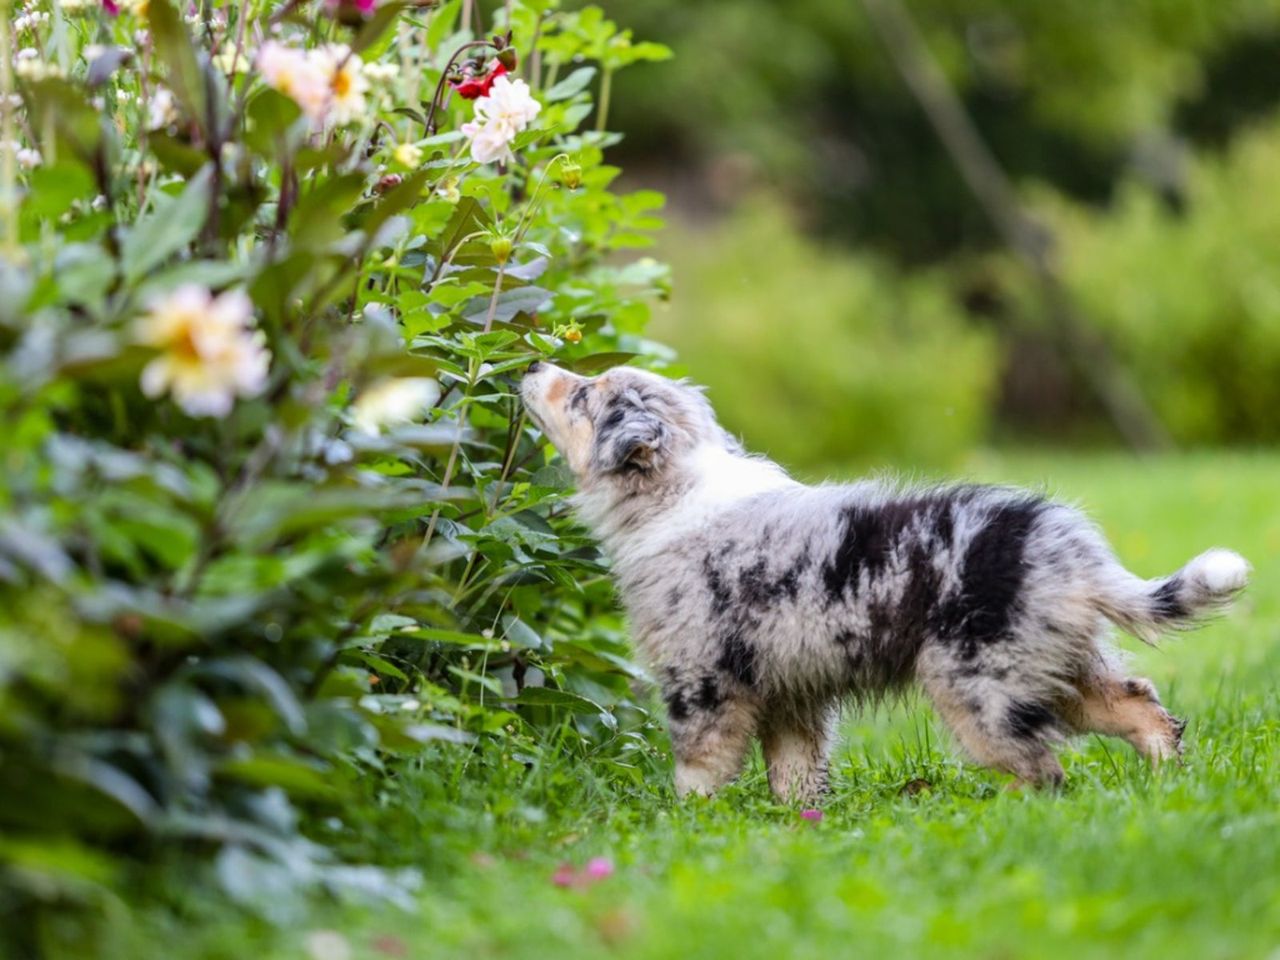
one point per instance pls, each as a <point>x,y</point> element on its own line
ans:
<point>762,604</point>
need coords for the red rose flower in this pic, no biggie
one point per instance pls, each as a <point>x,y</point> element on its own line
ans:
<point>469,88</point>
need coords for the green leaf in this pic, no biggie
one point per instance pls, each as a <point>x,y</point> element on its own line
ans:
<point>376,32</point>
<point>575,82</point>
<point>598,362</point>
<point>468,217</point>
<point>551,697</point>
<point>171,226</point>
<point>317,220</point>
<point>271,117</point>
<point>55,187</point>
<point>173,44</point>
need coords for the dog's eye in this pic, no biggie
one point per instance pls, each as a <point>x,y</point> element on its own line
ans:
<point>614,419</point>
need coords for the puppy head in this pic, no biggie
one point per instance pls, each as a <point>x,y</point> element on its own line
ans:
<point>627,427</point>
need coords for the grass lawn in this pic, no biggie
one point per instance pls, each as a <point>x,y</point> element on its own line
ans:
<point>917,854</point>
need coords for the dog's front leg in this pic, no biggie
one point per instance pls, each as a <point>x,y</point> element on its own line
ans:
<point>796,752</point>
<point>710,744</point>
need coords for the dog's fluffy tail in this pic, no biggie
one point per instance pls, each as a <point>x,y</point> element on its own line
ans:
<point>1205,586</point>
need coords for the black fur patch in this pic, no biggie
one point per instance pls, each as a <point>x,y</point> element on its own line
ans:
<point>993,570</point>
<point>1026,720</point>
<point>738,659</point>
<point>1166,600</point>
<point>758,590</point>
<point>870,535</point>
<point>721,595</point>
<point>677,705</point>
<point>708,696</point>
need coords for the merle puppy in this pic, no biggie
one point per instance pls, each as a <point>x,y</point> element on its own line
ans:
<point>763,603</point>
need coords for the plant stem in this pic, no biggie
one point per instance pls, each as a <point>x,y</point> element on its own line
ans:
<point>602,109</point>
<point>9,151</point>
<point>493,300</point>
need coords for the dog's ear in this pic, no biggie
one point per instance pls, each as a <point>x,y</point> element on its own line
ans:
<point>633,443</point>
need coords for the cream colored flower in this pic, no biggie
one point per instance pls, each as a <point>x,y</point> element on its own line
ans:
<point>296,75</point>
<point>381,72</point>
<point>394,400</point>
<point>230,60</point>
<point>209,353</point>
<point>343,73</point>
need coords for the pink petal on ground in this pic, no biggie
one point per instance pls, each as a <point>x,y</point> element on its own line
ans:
<point>814,816</point>
<point>598,868</point>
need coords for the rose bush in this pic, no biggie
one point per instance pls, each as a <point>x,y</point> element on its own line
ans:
<point>271,518</point>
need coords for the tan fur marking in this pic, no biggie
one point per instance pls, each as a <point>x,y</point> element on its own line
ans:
<point>559,387</point>
<point>1130,709</point>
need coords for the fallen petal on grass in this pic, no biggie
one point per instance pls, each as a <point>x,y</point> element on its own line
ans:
<point>598,868</point>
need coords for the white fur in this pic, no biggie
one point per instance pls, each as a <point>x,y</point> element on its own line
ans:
<point>1219,570</point>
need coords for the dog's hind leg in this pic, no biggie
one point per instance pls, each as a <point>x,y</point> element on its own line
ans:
<point>797,743</point>
<point>711,742</point>
<point>1128,708</point>
<point>999,721</point>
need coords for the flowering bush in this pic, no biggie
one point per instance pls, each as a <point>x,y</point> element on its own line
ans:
<point>270,515</point>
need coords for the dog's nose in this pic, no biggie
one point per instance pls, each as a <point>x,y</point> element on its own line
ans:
<point>534,367</point>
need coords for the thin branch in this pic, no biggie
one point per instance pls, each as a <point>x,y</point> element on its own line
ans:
<point>1031,241</point>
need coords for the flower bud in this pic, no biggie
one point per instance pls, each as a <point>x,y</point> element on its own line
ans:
<point>408,155</point>
<point>500,247</point>
<point>507,57</point>
<point>389,182</point>
<point>571,175</point>
<point>573,335</point>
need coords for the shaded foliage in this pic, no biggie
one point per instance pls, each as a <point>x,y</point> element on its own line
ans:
<point>213,627</point>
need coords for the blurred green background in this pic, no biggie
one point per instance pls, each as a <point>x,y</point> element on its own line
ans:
<point>847,298</point>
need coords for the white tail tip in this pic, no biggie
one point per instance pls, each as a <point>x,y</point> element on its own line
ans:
<point>1220,571</point>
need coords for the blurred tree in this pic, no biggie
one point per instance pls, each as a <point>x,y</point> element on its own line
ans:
<point>1075,94</point>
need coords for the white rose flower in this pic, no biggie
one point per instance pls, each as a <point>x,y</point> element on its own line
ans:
<point>507,110</point>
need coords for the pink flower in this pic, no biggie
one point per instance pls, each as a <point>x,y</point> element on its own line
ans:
<point>111,7</point>
<point>598,868</point>
<point>351,11</point>
<point>813,816</point>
